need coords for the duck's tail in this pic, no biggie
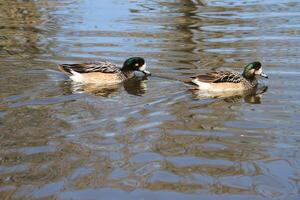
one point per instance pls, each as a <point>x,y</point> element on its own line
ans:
<point>190,81</point>
<point>65,69</point>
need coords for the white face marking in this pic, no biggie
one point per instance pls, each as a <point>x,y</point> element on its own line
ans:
<point>258,72</point>
<point>143,67</point>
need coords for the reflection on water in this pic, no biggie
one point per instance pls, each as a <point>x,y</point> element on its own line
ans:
<point>149,139</point>
<point>253,96</point>
<point>135,86</point>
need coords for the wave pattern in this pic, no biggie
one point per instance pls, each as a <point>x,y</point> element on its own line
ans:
<point>148,138</point>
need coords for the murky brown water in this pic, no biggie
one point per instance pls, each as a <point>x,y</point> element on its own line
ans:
<point>148,138</point>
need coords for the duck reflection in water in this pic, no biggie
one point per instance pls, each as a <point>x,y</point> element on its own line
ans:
<point>135,86</point>
<point>252,96</point>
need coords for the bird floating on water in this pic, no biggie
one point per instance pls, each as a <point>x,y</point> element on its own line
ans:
<point>222,81</point>
<point>103,72</point>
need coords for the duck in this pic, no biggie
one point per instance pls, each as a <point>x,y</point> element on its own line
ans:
<point>104,72</point>
<point>224,81</point>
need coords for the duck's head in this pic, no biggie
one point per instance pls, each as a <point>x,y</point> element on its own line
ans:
<point>253,69</point>
<point>135,64</point>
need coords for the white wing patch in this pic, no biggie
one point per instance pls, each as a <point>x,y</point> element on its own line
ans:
<point>76,77</point>
<point>202,85</point>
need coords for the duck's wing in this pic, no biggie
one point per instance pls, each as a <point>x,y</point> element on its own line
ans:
<point>219,76</point>
<point>100,66</point>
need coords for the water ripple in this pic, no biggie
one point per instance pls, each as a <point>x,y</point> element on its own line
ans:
<point>149,138</point>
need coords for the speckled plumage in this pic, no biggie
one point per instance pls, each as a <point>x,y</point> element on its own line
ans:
<point>107,69</point>
<point>104,72</point>
<point>228,80</point>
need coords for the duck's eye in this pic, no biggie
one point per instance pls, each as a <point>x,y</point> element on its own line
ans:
<point>137,64</point>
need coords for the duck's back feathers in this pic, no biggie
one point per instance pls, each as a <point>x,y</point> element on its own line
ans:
<point>102,72</point>
<point>218,81</point>
<point>100,66</point>
<point>219,77</point>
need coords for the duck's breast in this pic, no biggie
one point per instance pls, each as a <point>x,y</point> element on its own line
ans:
<point>96,77</point>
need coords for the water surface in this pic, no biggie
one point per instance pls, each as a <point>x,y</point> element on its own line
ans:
<point>148,138</point>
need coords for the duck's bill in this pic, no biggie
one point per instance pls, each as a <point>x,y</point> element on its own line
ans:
<point>264,75</point>
<point>147,73</point>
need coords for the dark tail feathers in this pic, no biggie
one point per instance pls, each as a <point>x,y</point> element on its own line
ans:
<point>64,68</point>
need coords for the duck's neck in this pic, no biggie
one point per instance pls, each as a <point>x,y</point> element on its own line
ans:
<point>128,73</point>
<point>248,75</point>
<point>251,81</point>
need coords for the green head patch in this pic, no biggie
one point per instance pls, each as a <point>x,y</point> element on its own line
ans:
<point>251,69</point>
<point>135,64</point>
